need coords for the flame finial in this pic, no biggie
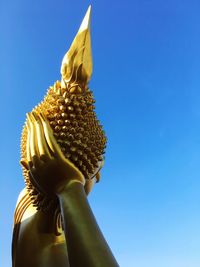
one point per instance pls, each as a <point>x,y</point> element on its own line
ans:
<point>76,68</point>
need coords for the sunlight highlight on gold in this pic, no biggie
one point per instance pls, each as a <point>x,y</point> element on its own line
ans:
<point>69,109</point>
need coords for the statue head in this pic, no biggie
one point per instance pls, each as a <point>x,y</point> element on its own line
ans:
<point>69,108</point>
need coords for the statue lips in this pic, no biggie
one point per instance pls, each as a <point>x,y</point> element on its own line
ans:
<point>69,108</point>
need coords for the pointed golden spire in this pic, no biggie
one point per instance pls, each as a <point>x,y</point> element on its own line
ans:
<point>76,68</point>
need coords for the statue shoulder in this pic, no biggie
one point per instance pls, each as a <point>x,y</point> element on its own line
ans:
<point>23,210</point>
<point>24,207</point>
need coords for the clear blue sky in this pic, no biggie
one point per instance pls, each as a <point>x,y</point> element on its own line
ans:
<point>147,87</point>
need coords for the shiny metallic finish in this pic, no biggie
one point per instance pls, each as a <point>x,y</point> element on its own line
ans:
<point>69,108</point>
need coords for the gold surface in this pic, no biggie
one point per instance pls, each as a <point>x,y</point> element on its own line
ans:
<point>69,108</point>
<point>76,66</point>
<point>61,155</point>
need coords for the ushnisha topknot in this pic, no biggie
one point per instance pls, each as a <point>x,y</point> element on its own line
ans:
<point>69,108</point>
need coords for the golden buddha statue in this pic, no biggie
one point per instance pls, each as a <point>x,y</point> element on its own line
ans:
<point>62,153</point>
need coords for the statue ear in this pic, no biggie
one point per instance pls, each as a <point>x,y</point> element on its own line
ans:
<point>76,65</point>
